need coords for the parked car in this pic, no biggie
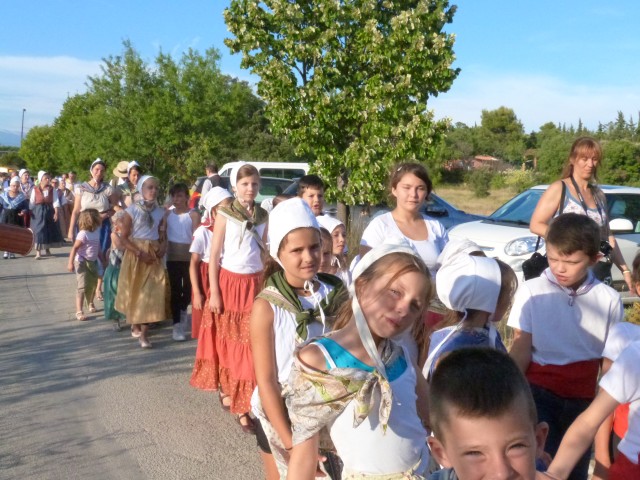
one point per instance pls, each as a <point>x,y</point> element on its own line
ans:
<point>436,207</point>
<point>505,233</point>
<point>269,188</point>
<point>289,170</point>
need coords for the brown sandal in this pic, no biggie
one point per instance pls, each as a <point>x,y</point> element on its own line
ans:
<point>222,397</point>
<point>247,428</point>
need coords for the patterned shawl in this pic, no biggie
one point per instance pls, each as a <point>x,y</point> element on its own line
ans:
<point>634,314</point>
<point>278,292</point>
<point>13,202</point>
<point>239,215</point>
<point>315,398</point>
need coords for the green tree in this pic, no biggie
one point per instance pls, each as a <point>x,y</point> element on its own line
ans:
<point>621,163</point>
<point>348,82</point>
<point>36,149</point>
<point>501,134</point>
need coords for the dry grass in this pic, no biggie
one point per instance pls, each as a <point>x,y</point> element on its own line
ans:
<point>462,198</point>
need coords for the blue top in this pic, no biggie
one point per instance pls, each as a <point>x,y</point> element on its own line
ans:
<point>344,359</point>
<point>474,337</point>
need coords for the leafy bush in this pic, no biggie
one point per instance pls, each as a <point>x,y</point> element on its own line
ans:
<point>498,180</point>
<point>521,180</point>
<point>480,181</point>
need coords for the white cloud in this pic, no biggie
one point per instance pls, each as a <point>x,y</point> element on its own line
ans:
<point>536,99</point>
<point>40,85</point>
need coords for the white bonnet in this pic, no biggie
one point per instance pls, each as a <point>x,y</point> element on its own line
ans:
<point>285,217</point>
<point>131,165</point>
<point>233,177</point>
<point>214,197</point>
<point>328,222</point>
<point>141,181</point>
<point>41,174</point>
<point>391,245</point>
<point>22,172</point>
<point>455,247</point>
<point>97,161</point>
<point>14,180</point>
<point>468,282</point>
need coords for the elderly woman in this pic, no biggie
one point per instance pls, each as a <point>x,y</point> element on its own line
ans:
<point>14,207</point>
<point>582,196</point>
<point>45,208</point>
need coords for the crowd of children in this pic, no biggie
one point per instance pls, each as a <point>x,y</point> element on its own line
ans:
<point>338,369</point>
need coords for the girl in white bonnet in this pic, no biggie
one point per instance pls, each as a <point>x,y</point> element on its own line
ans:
<point>479,291</point>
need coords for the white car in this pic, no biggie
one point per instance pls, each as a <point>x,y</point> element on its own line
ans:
<point>505,233</point>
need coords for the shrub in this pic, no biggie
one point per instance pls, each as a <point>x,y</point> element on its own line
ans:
<point>480,181</point>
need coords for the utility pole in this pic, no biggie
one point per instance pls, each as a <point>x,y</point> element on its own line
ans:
<point>22,128</point>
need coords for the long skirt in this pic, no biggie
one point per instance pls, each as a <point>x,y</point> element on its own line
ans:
<point>110,285</point>
<point>46,231</point>
<point>237,378</point>
<point>203,283</point>
<point>205,374</point>
<point>142,288</point>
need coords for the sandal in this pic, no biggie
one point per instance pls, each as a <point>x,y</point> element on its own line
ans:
<point>92,308</point>
<point>99,296</point>
<point>80,316</point>
<point>222,397</point>
<point>247,428</point>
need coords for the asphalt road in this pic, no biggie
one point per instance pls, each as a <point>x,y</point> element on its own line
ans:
<point>78,400</point>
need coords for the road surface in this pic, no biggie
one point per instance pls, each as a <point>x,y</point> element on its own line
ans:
<point>80,401</point>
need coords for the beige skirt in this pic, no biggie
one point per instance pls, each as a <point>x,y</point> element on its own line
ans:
<point>143,288</point>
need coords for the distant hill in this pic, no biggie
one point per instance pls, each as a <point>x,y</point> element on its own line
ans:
<point>9,139</point>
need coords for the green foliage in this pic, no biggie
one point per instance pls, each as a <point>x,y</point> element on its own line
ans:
<point>521,180</point>
<point>480,181</point>
<point>172,117</point>
<point>501,134</point>
<point>347,82</point>
<point>36,149</point>
<point>498,180</point>
<point>621,159</point>
<point>553,152</point>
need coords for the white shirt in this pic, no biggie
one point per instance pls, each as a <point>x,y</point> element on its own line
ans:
<point>622,382</point>
<point>179,227</point>
<point>384,227</point>
<point>201,243</point>
<point>562,333</point>
<point>141,230</point>
<point>620,336</point>
<point>241,255</point>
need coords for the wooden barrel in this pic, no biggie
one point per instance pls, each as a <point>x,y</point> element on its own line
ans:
<point>15,239</point>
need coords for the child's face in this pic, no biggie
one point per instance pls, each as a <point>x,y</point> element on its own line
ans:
<point>150,190</point>
<point>391,308</point>
<point>339,237</point>
<point>410,192</point>
<point>179,199</point>
<point>483,448</point>
<point>315,199</point>
<point>325,263</point>
<point>247,188</point>
<point>570,270</point>
<point>300,255</point>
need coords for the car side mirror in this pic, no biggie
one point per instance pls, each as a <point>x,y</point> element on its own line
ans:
<point>621,225</point>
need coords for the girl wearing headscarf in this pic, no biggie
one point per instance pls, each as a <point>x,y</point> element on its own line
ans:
<point>45,206</point>
<point>143,281</point>
<point>296,304</point>
<point>26,185</point>
<point>13,207</point>
<point>360,385</point>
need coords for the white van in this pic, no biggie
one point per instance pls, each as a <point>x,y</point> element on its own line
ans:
<point>271,169</point>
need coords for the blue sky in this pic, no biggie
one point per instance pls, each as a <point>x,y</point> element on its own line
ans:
<point>556,61</point>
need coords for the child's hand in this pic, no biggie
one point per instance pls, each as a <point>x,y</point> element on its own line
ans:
<point>215,302</point>
<point>70,266</point>
<point>198,301</point>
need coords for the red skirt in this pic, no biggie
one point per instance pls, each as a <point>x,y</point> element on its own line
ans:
<point>237,378</point>
<point>203,283</point>
<point>624,469</point>
<point>205,374</point>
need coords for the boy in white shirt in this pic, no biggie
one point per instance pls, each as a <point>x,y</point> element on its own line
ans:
<point>561,321</point>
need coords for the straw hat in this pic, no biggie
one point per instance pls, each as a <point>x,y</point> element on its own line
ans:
<point>121,169</point>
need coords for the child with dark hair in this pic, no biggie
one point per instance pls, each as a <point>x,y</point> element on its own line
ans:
<point>561,321</point>
<point>181,223</point>
<point>483,418</point>
<point>311,190</point>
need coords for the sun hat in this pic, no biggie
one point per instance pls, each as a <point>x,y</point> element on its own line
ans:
<point>121,169</point>
<point>285,217</point>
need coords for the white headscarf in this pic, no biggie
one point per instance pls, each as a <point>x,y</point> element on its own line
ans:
<point>14,180</point>
<point>22,172</point>
<point>455,247</point>
<point>285,217</point>
<point>96,162</point>
<point>41,174</point>
<point>328,222</point>
<point>213,198</point>
<point>132,164</point>
<point>141,181</point>
<point>233,177</point>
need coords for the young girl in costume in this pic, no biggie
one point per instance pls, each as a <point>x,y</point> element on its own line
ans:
<point>143,281</point>
<point>181,223</point>
<point>112,272</point>
<point>83,259</point>
<point>45,207</point>
<point>360,384</point>
<point>205,369</point>
<point>294,306</point>
<point>326,255</point>
<point>479,290</point>
<point>199,264</point>
<point>239,236</point>
<point>338,232</point>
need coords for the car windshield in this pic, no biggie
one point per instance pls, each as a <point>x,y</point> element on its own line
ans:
<point>519,209</point>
